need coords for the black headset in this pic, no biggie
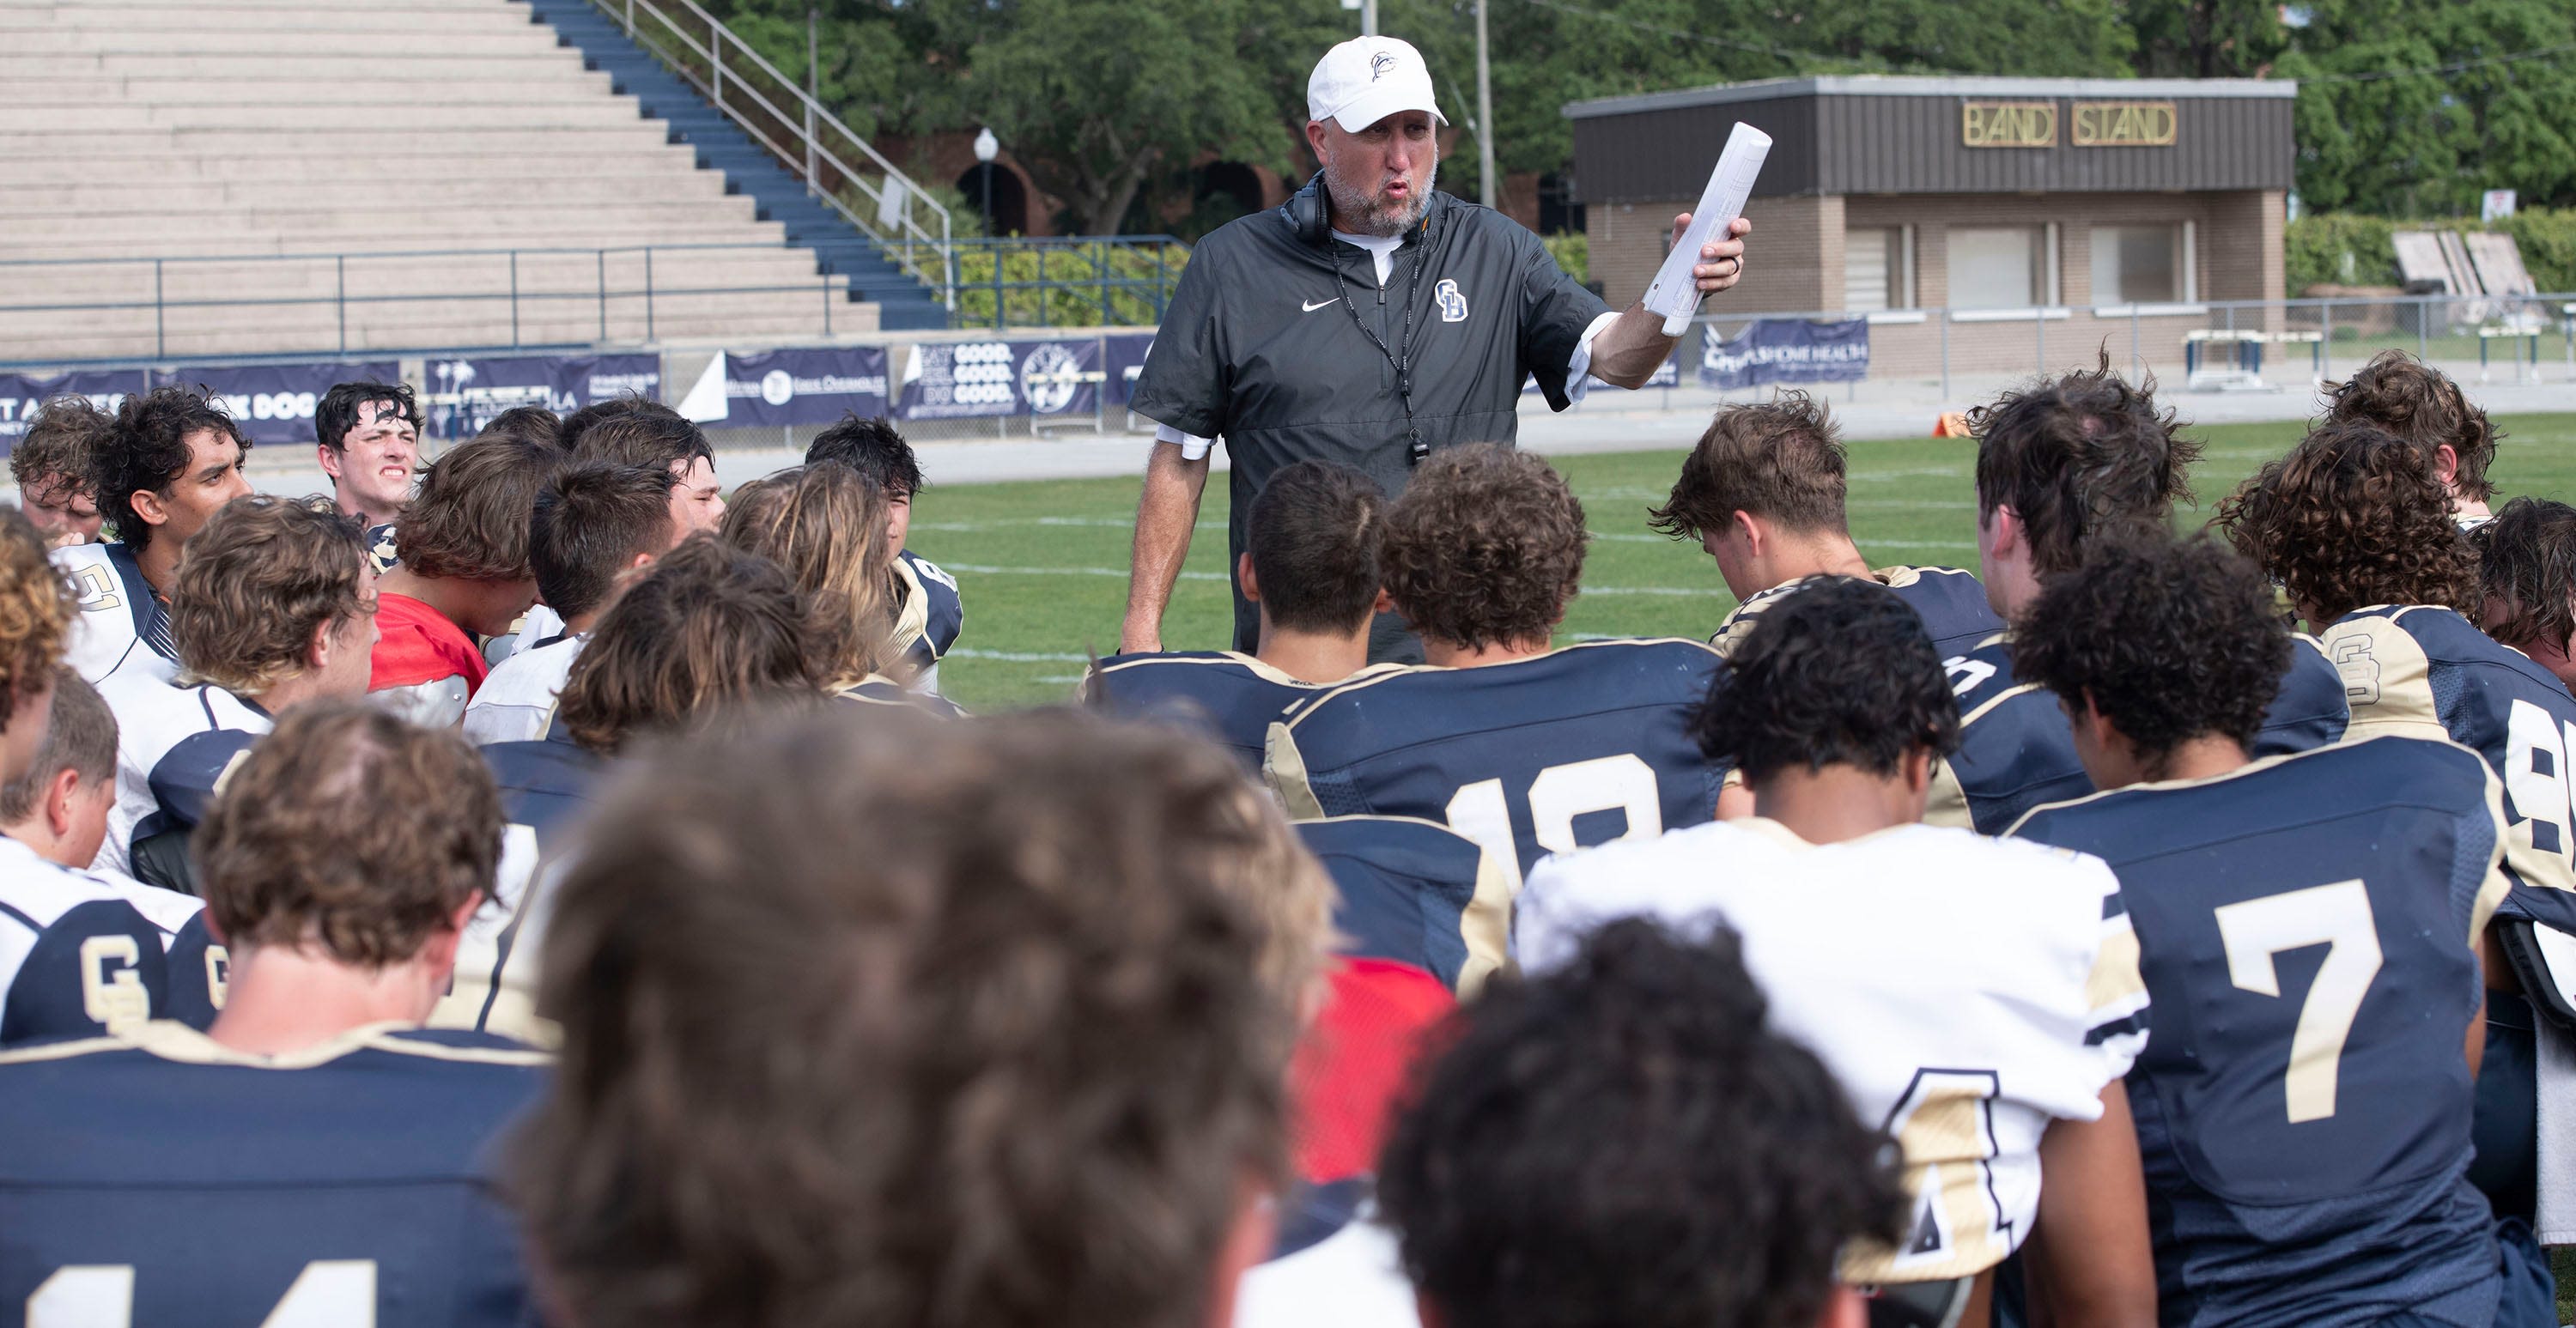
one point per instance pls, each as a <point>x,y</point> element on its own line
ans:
<point>1310,213</point>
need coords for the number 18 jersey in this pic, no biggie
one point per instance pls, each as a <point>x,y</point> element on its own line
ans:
<point>1545,755</point>
<point>2308,927</point>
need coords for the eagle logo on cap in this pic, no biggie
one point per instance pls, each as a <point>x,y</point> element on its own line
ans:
<point>1380,63</point>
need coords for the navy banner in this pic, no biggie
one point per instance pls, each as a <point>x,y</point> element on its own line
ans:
<point>21,394</point>
<point>1786,350</point>
<point>274,403</point>
<point>804,386</point>
<point>464,395</point>
<point>975,379</point>
<point>1123,359</point>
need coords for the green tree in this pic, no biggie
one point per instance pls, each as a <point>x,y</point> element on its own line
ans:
<point>2412,109</point>
<point>2206,38</point>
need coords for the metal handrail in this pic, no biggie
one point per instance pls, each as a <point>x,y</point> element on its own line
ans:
<point>814,153</point>
<point>1153,291</point>
<point>829,288</point>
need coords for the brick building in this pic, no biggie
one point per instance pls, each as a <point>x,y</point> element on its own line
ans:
<point>2066,212</point>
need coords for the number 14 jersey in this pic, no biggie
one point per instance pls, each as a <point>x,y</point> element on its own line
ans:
<point>2308,927</point>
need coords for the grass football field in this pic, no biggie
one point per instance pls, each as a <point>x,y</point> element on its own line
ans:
<point>1043,565</point>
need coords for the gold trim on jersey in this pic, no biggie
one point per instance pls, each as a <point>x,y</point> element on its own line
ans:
<point>2491,890</point>
<point>2115,979</point>
<point>1486,925</point>
<point>2387,677</point>
<point>1283,767</point>
<point>1945,804</point>
<point>912,616</point>
<point>174,1041</point>
<point>1389,672</point>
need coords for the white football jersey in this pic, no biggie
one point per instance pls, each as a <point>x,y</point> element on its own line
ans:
<point>1966,991</point>
<point>154,715</point>
<point>121,630</point>
<point>538,626</point>
<point>517,702</point>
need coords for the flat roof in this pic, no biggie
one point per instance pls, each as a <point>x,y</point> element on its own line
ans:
<point>1934,85</point>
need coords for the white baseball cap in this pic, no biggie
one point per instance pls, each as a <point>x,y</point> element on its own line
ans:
<point>1366,79</point>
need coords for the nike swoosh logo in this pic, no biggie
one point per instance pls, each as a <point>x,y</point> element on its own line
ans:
<point>1320,304</point>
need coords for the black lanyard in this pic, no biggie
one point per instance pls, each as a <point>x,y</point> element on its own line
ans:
<point>1401,358</point>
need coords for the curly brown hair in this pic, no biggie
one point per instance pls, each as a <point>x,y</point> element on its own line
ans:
<point>968,1015</point>
<point>1781,460</point>
<point>1484,548</point>
<point>36,609</point>
<point>2078,457</point>
<point>826,524</point>
<point>707,626</point>
<point>470,520</point>
<point>54,452</point>
<point>2353,517</point>
<point>2420,404</point>
<point>349,829</point>
<point>2527,567</point>
<point>255,585</point>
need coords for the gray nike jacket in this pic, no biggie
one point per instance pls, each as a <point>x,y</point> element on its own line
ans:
<point>1264,346</point>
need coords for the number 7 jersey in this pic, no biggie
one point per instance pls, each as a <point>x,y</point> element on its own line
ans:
<point>1566,750</point>
<point>2308,928</point>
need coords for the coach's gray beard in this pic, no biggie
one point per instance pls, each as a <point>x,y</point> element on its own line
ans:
<point>1376,216</point>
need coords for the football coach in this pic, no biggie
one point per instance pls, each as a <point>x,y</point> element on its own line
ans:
<point>1370,321</point>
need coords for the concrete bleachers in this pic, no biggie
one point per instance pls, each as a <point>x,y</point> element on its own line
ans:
<point>218,177</point>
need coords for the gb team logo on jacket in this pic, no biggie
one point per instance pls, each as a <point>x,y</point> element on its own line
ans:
<point>1453,304</point>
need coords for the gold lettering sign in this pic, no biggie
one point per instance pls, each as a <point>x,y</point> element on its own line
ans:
<point>2124,124</point>
<point>2008,124</point>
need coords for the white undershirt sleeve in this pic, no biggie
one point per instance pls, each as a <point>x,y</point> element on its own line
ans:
<point>1192,446</point>
<point>1578,372</point>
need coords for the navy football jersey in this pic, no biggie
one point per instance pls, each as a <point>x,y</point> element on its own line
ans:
<point>2426,671</point>
<point>76,957</point>
<point>2309,930</point>
<point>156,720</point>
<point>2016,750</point>
<point>1570,749</point>
<point>1225,694</point>
<point>545,787</point>
<point>929,618</point>
<point>383,555</point>
<point>162,1178</point>
<point>1415,892</point>
<point>199,966</point>
<point>1952,604</point>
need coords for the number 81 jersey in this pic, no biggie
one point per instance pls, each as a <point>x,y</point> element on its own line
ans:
<point>2308,927</point>
<point>1546,755</point>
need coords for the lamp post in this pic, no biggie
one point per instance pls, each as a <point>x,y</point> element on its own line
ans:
<point>987,147</point>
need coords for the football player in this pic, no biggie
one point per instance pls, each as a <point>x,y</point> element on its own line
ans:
<point>50,465</point>
<point>706,626</point>
<point>1978,998</point>
<point>826,525</point>
<point>367,439</point>
<point>464,573</point>
<point>59,808</point>
<point>1526,750</point>
<point>169,460</point>
<point>2357,527</point>
<point>2421,405</point>
<point>1763,494</point>
<point>273,607</point>
<point>984,991</point>
<point>1633,1141</point>
<point>2527,574</point>
<point>2059,467</point>
<point>313,1157</point>
<point>629,431</point>
<point>2304,1117</point>
<point>1310,565</point>
<point>593,525</point>
<point>76,958</point>
<point>928,611</point>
